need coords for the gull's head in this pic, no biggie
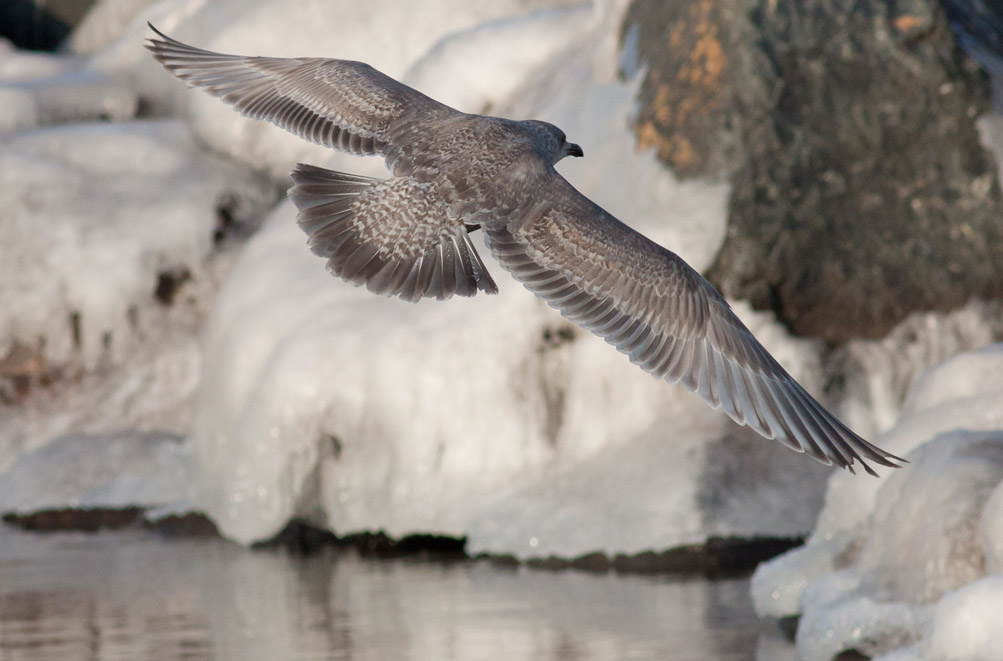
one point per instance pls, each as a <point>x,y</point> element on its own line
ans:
<point>552,142</point>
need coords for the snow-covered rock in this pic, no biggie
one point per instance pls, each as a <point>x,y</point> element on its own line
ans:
<point>887,566</point>
<point>968,623</point>
<point>92,214</point>
<point>42,88</point>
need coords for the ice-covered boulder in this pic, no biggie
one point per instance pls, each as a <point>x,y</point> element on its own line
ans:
<point>93,214</point>
<point>38,89</point>
<point>888,564</point>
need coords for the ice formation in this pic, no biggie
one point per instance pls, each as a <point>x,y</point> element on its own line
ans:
<point>146,470</point>
<point>94,214</point>
<point>892,562</point>
<point>88,264</point>
<point>40,89</point>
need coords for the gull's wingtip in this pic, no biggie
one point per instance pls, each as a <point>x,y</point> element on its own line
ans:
<point>156,41</point>
<point>888,460</point>
<point>160,36</point>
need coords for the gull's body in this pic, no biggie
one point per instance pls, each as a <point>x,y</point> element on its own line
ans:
<point>452,173</point>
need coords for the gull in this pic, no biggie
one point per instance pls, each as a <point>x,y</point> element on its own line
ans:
<point>453,173</point>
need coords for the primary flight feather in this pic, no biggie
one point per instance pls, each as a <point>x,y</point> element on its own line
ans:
<point>453,173</point>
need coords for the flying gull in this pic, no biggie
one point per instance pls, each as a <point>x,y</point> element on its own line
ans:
<point>454,173</point>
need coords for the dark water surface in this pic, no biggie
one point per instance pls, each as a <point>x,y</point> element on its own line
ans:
<point>136,595</point>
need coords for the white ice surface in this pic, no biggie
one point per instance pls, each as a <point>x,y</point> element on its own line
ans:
<point>42,88</point>
<point>968,623</point>
<point>92,214</point>
<point>879,373</point>
<point>18,109</point>
<point>453,72</point>
<point>78,96</point>
<point>877,575</point>
<point>147,470</point>
<point>17,65</point>
<point>148,387</point>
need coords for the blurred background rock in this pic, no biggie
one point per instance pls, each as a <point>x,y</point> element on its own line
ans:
<point>861,190</point>
<point>40,24</point>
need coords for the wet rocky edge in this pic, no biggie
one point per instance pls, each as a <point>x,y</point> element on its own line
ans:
<point>95,519</point>
<point>135,479</point>
<point>719,557</point>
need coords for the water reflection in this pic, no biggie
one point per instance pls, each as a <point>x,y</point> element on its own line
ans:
<point>133,595</point>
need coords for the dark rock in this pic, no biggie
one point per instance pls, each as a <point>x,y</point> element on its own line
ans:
<point>87,520</point>
<point>549,563</point>
<point>93,519</point>
<point>594,562</point>
<point>435,547</point>
<point>301,538</point>
<point>978,21</point>
<point>40,24</point>
<point>506,561</point>
<point>169,282</point>
<point>29,26</point>
<point>304,538</point>
<point>788,626</point>
<point>720,556</point>
<point>861,191</point>
<point>189,524</point>
<point>687,94</point>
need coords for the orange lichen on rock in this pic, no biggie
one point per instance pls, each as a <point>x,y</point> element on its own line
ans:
<point>687,88</point>
<point>908,23</point>
<point>705,64</point>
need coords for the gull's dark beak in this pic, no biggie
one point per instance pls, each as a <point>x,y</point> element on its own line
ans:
<point>573,150</point>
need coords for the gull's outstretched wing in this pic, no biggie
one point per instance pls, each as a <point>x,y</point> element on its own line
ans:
<point>336,103</point>
<point>669,320</point>
<point>389,234</point>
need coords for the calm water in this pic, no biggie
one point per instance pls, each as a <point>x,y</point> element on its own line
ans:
<point>136,595</point>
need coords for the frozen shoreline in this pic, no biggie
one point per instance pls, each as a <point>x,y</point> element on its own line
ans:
<point>264,391</point>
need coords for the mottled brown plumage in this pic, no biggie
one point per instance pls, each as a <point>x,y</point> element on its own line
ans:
<point>452,172</point>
